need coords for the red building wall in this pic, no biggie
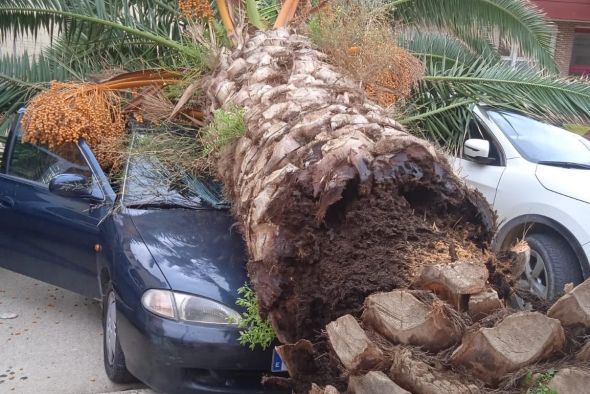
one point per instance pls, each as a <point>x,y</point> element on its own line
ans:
<point>570,16</point>
<point>568,10</point>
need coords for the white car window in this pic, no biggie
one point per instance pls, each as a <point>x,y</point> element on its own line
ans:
<point>541,142</point>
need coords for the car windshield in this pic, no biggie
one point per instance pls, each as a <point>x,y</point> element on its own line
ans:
<point>541,142</point>
<point>148,183</point>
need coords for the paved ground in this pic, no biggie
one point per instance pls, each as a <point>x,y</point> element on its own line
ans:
<point>54,345</point>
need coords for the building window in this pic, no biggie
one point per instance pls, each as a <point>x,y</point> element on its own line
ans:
<point>514,57</point>
<point>580,63</point>
<point>510,52</point>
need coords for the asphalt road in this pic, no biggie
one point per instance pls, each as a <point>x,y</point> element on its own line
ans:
<point>54,345</point>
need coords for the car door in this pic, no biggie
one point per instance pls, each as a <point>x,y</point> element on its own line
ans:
<point>484,177</point>
<point>44,235</point>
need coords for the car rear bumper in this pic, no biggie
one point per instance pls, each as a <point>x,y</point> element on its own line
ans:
<point>174,357</point>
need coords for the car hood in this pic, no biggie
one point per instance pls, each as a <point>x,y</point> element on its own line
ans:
<point>198,251</point>
<point>570,182</point>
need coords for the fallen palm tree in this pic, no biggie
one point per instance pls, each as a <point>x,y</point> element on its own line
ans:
<point>335,200</point>
<point>339,206</point>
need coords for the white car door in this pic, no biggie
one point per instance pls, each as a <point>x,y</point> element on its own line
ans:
<point>484,177</point>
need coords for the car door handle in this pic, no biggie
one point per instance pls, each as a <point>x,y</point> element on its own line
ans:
<point>6,202</point>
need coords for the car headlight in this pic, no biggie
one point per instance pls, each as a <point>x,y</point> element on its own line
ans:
<point>180,306</point>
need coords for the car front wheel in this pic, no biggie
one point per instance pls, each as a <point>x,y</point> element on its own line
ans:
<point>552,265</point>
<point>114,360</point>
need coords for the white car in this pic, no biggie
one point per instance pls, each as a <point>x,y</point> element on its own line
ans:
<point>537,177</point>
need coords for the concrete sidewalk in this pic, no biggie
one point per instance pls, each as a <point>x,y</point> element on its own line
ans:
<point>54,345</point>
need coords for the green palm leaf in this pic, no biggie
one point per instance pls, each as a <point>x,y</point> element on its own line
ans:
<point>136,31</point>
<point>433,46</point>
<point>92,35</point>
<point>441,101</point>
<point>519,21</point>
<point>21,78</point>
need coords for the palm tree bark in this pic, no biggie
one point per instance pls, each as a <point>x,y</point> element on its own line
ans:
<point>334,199</point>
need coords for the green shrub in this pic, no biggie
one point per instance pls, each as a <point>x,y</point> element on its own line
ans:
<point>254,330</point>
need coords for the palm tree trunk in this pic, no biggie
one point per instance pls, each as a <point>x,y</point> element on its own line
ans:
<point>334,199</point>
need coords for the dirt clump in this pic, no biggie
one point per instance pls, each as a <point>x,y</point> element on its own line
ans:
<point>312,364</point>
<point>370,244</point>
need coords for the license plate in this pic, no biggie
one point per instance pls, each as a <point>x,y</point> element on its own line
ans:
<point>277,363</point>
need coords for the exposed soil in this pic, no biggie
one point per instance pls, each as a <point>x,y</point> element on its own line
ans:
<point>311,363</point>
<point>499,276</point>
<point>328,369</point>
<point>381,245</point>
<point>369,242</point>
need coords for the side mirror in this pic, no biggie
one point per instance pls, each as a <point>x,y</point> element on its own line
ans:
<point>71,185</point>
<point>477,150</point>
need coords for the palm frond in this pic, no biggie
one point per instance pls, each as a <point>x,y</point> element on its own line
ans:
<point>126,53</point>
<point>477,39</point>
<point>21,77</point>
<point>440,103</point>
<point>93,35</point>
<point>136,31</point>
<point>151,20</point>
<point>254,17</point>
<point>23,23</point>
<point>440,120</point>
<point>432,46</point>
<point>6,122</point>
<point>268,9</point>
<point>519,21</point>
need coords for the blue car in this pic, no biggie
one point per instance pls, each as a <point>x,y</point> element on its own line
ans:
<point>160,252</point>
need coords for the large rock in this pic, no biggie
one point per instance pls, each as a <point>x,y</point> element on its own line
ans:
<point>352,346</point>
<point>403,319</point>
<point>420,378</point>
<point>571,381</point>
<point>374,383</point>
<point>483,304</point>
<point>455,282</point>
<point>573,309</point>
<point>517,341</point>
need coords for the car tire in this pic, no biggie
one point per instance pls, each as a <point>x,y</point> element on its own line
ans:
<point>559,262</point>
<point>114,359</point>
